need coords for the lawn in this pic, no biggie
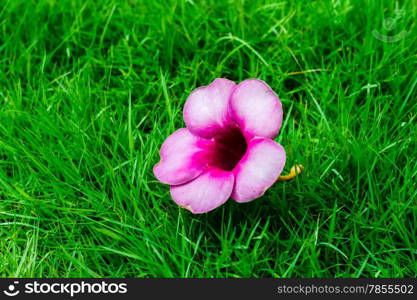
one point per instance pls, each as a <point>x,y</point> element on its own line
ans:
<point>89,90</point>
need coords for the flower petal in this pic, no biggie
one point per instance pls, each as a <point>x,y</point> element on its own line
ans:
<point>206,109</point>
<point>259,168</point>
<point>182,158</point>
<point>256,108</point>
<point>208,191</point>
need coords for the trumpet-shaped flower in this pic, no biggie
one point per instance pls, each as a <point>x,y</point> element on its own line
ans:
<point>226,149</point>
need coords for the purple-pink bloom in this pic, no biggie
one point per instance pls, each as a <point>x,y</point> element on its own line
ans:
<point>226,149</point>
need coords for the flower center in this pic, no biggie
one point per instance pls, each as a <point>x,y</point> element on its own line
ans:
<point>229,147</point>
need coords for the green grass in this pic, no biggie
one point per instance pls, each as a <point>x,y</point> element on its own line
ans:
<point>89,90</point>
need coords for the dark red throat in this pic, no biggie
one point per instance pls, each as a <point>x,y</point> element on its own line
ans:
<point>229,147</point>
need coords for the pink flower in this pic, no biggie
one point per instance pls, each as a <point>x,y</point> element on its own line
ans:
<point>227,148</point>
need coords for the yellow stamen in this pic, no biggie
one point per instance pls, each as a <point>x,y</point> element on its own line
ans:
<point>295,170</point>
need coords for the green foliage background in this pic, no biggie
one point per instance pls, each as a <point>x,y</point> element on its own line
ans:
<point>90,89</point>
